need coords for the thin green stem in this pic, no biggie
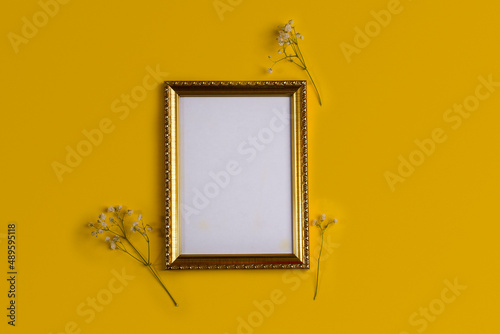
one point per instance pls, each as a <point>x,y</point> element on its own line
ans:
<point>301,67</point>
<point>137,251</point>
<point>319,258</point>
<point>126,251</point>
<point>314,84</point>
<point>148,264</point>
<point>287,57</point>
<point>149,252</point>
<point>117,234</point>
<point>128,241</point>
<point>144,262</point>
<point>122,227</point>
<point>153,271</point>
<point>296,49</point>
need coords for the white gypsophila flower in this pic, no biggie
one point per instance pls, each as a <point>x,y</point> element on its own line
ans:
<point>100,231</point>
<point>118,208</point>
<point>315,222</point>
<point>279,51</point>
<point>323,217</point>
<point>112,245</point>
<point>149,228</point>
<point>94,233</point>
<point>111,209</point>
<point>102,216</point>
<point>270,70</point>
<point>129,212</point>
<point>140,217</point>
<point>335,220</point>
<point>135,223</point>
<point>104,224</point>
<point>287,35</point>
<point>116,238</point>
<point>106,239</point>
<point>91,224</point>
<point>132,228</point>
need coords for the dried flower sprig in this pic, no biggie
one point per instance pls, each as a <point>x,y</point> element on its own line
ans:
<point>322,225</point>
<point>116,234</point>
<point>288,39</point>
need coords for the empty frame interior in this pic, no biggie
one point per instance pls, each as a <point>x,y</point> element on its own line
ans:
<point>235,175</point>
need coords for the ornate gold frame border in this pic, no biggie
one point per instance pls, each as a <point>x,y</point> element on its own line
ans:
<point>296,90</point>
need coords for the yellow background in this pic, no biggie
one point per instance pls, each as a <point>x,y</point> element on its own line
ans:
<point>391,251</point>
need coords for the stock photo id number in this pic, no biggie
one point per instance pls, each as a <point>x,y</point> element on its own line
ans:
<point>11,273</point>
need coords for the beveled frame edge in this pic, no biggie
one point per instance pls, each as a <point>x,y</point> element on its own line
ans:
<point>299,259</point>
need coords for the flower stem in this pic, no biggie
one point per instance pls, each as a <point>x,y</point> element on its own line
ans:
<point>149,253</point>
<point>296,48</point>
<point>319,258</point>
<point>127,252</point>
<point>314,84</point>
<point>153,271</point>
<point>142,260</point>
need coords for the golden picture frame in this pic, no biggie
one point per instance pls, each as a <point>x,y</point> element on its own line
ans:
<point>236,189</point>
